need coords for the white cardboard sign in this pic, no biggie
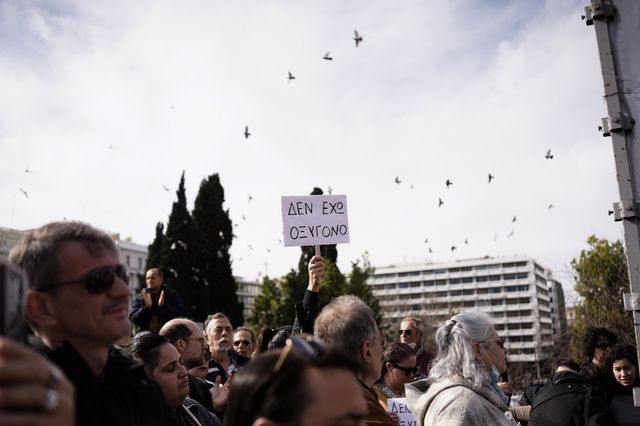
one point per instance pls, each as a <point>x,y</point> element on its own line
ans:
<point>400,407</point>
<point>315,220</point>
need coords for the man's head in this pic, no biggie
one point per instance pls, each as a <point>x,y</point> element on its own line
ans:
<point>188,339</point>
<point>283,386</point>
<point>218,333</point>
<point>348,324</point>
<point>244,342</point>
<point>77,288</point>
<point>411,331</point>
<point>597,343</point>
<point>154,279</point>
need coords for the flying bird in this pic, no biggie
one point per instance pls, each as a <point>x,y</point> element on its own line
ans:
<point>510,234</point>
<point>24,192</point>
<point>291,77</point>
<point>448,183</point>
<point>28,171</point>
<point>357,37</point>
<point>165,187</point>
<point>548,155</point>
<point>550,207</point>
<point>244,218</point>
<point>397,180</point>
<point>327,56</point>
<point>440,202</point>
<point>453,248</point>
<point>466,241</point>
<point>491,177</point>
<point>426,240</point>
<point>329,190</point>
<point>514,220</point>
<point>246,132</point>
<point>250,197</point>
<point>430,251</point>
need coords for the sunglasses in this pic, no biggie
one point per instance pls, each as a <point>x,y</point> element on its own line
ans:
<point>499,341</point>
<point>404,332</point>
<point>409,371</point>
<point>97,280</point>
<point>603,345</point>
<point>304,344</point>
<point>241,342</point>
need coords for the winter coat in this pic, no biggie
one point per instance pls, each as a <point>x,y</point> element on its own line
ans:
<point>172,307</point>
<point>455,403</point>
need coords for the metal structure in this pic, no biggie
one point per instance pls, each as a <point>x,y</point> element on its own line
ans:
<point>618,37</point>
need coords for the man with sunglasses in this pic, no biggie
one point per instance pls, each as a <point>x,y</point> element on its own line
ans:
<point>156,304</point>
<point>411,333</point>
<point>77,303</point>
<point>244,342</point>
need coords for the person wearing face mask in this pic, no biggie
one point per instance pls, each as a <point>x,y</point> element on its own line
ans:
<point>411,333</point>
<point>462,385</point>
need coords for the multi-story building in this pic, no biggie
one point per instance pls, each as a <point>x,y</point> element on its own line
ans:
<point>8,239</point>
<point>247,291</point>
<point>519,293</point>
<point>134,257</point>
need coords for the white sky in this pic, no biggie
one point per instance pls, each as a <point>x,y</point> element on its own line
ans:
<point>106,101</point>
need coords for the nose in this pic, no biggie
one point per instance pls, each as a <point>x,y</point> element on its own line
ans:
<point>119,288</point>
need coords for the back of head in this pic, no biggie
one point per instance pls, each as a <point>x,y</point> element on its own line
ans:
<point>145,346</point>
<point>456,357</point>
<point>346,323</point>
<point>176,329</point>
<point>37,252</point>
<point>274,386</point>
<point>567,364</point>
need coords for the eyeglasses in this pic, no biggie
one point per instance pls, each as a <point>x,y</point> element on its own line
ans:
<point>241,342</point>
<point>409,371</point>
<point>405,332</point>
<point>306,345</point>
<point>499,341</point>
<point>603,345</point>
<point>197,339</point>
<point>97,280</point>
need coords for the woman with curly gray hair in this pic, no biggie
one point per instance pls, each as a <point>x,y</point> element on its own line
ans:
<point>461,388</point>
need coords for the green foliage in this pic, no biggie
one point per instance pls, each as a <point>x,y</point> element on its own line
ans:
<point>601,280</point>
<point>181,262</point>
<point>267,307</point>
<point>215,230</point>
<point>157,250</point>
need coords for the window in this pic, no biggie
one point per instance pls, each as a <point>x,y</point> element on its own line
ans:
<point>128,260</point>
<point>466,280</point>
<point>403,285</point>
<point>454,281</point>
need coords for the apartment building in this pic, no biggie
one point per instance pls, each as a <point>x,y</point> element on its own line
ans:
<point>247,291</point>
<point>517,291</point>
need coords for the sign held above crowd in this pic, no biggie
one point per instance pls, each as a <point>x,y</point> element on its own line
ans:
<point>315,220</point>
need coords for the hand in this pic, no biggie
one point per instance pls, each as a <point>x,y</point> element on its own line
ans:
<point>394,417</point>
<point>161,299</point>
<point>220,393</point>
<point>33,390</point>
<point>316,272</point>
<point>146,296</point>
<point>506,388</point>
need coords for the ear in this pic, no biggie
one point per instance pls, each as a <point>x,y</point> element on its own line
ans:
<point>263,421</point>
<point>365,351</point>
<point>39,308</point>
<point>388,366</point>
<point>476,349</point>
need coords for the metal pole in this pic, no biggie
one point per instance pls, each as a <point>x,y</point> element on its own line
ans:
<point>613,21</point>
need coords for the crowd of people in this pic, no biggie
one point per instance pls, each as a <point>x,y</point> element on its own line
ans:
<point>331,366</point>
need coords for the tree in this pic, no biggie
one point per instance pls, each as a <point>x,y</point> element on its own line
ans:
<point>267,307</point>
<point>182,268</point>
<point>216,233</point>
<point>602,278</point>
<point>157,250</point>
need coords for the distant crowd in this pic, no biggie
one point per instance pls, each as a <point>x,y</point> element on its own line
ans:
<point>81,364</point>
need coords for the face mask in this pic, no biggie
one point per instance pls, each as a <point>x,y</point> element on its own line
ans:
<point>494,373</point>
<point>412,345</point>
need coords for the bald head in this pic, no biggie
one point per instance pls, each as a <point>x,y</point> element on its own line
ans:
<point>188,339</point>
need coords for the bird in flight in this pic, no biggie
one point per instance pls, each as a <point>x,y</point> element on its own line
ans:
<point>291,77</point>
<point>327,56</point>
<point>243,217</point>
<point>466,241</point>
<point>430,251</point>
<point>397,180</point>
<point>550,207</point>
<point>24,192</point>
<point>448,183</point>
<point>453,248</point>
<point>329,190</point>
<point>426,240</point>
<point>510,234</point>
<point>440,202</point>
<point>514,220</point>
<point>357,37</point>
<point>548,155</point>
<point>28,171</point>
<point>491,177</point>
<point>165,187</point>
<point>246,132</point>
<point>250,197</point>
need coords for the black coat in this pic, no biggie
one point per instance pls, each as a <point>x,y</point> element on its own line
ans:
<point>123,396</point>
<point>172,308</point>
<point>570,400</point>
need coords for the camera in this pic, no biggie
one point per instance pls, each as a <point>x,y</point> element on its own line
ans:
<point>13,286</point>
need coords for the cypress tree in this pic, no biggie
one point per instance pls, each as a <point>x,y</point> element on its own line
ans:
<point>216,232</point>
<point>183,246</point>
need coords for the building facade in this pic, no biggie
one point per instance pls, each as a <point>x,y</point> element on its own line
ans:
<point>519,293</point>
<point>134,257</point>
<point>8,239</point>
<point>247,291</point>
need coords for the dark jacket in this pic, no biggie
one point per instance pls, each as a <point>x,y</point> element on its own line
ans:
<point>570,399</point>
<point>123,396</point>
<point>376,414</point>
<point>215,369</point>
<point>199,391</point>
<point>191,413</point>
<point>141,314</point>
<point>424,359</point>
<point>306,313</point>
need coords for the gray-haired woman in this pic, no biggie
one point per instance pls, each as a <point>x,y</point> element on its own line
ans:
<point>462,382</point>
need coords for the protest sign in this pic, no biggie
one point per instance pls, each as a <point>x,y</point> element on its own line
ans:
<point>400,407</point>
<point>315,220</point>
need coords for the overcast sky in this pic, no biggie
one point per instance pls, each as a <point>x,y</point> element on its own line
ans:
<point>104,102</point>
